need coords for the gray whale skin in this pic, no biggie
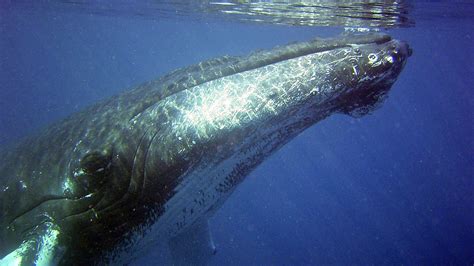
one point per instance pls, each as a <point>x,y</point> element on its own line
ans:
<point>152,164</point>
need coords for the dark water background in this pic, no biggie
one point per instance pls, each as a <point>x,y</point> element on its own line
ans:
<point>394,187</point>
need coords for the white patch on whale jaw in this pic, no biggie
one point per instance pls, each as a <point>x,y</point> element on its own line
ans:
<point>44,249</point>
<point>16,257</point>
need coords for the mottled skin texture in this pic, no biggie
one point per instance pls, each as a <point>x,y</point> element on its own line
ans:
<point>117,170</point>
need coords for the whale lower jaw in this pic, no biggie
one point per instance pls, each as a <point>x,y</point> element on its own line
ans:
<point>199,194</point>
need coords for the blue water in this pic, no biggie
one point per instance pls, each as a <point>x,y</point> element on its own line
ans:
<point>393,187</point>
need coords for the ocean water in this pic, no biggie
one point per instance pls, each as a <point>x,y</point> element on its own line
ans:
<point>392,187</point>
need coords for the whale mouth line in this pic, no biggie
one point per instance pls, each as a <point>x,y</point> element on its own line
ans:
<point>47,218</point>
<point>26,210</point>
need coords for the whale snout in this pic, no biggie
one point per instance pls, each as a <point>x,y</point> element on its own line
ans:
<point>388,61</point>
<point>380,65</point>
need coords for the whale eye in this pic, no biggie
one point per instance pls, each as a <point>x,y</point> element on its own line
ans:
<point>94,163</point>
<point>94,167</point>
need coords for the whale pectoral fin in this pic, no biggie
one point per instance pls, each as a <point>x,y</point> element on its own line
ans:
<point>193,246</point>
<point>40,249</point>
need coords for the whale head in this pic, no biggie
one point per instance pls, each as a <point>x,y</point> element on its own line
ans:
<point>197,142</point>
<point>148,164</point>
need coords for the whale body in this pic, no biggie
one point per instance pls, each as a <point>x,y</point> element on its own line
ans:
<point>153,163</point>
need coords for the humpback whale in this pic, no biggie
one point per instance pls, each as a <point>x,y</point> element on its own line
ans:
<point>153,163</point>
